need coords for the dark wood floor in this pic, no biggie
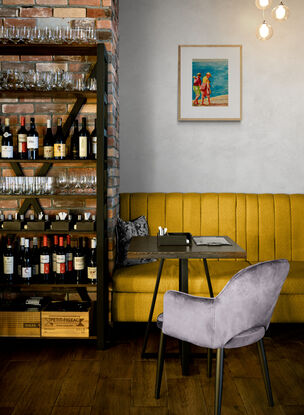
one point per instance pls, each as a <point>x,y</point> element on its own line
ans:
<point>73,378</point>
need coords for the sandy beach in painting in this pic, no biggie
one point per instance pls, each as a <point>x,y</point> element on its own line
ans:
<point>219,101</point>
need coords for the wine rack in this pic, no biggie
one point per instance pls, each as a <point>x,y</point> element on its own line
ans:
<point>99,71</point>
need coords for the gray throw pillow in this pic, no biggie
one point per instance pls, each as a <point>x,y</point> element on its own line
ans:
<point>124,232</point>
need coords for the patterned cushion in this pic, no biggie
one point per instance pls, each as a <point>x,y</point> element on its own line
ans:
<point>125,231</point>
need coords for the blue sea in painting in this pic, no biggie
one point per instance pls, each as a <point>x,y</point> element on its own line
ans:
<point>219,74</point>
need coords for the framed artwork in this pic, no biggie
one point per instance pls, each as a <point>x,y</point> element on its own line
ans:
<point>209,82</point>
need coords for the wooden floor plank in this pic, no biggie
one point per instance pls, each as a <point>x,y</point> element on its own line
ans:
<point>117,362</point>
<point>113,397</point>
<point>143,385</point>
<point>185,397</point>
<point>244,362</point>
<point>148,411</point>
<point>6,411</point>
<point>79,385</point>
<point>14,381</point>
<point>65,410</point>
<point>290,410</point>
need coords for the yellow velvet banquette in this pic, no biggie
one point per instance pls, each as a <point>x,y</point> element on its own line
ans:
<point>267,226</point>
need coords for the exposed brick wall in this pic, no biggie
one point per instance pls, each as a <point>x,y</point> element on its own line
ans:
<point>102,14</point>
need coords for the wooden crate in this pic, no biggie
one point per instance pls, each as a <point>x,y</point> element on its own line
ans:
<point>20,323</point>
<point>65,323</point>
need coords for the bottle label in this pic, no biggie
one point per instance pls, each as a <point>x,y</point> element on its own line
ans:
<point>83,148</point>
<point>60,264</point>
<point>48,152</point>
<point>0,143</point>
<point>19,270</point>
<point>8,264</point>
<point>78,263</point>
<point>35,269</point>
<point>22,143</point>
<point>92,273</point>
<point>7,152</point>
<point>44,264</point>
<point>26,272</point>
<point>54,260</point>
<point>32,142</point>
<point>94,146</point>
<point>69,261</point>
<point>59,150</point>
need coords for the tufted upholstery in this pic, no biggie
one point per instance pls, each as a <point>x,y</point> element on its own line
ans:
<point>267,226</point>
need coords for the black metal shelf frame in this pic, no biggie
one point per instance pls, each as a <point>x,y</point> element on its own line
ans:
<point>99,71</point>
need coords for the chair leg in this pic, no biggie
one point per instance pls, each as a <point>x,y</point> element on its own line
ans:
<point>209,363</point>
<point>219,381</point>
<point>265,371</point>
<point>160,363</point>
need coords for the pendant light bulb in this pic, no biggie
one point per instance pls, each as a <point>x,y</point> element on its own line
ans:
<point>263,4</point>
<point>281,12</point>
<point>264,31</point>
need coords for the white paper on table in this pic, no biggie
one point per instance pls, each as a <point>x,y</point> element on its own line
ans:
<point>211,240</point>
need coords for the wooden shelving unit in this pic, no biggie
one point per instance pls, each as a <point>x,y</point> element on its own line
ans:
<point>99,71</point>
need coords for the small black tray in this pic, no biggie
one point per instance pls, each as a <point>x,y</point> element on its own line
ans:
<point>174,239</point>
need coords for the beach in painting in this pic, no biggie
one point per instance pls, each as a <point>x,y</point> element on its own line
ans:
<point>210,82</point>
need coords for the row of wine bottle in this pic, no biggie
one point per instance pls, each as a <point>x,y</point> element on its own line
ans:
<point>59,262</point>
<point>83,144</point>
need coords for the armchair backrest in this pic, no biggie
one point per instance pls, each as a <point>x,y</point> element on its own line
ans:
<point>248,299</point>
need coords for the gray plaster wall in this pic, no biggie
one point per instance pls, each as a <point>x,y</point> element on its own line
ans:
<point>262,153</point>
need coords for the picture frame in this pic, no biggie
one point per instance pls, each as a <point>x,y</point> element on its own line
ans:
<point>209,82</point>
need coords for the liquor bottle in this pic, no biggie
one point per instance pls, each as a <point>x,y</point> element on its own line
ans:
<point>74,151</point>
<point>54,256</point>
<point>35,260</point>
<point>22,140</point>
<point>1,135</point>
<point>48,142</point>
<point>94,142</point>
<point>59,142</point>
<point>7,148</point>
<point>20,259</point>
<point>79,263</point>
<point>69,259</point>
<point>8,262</point>
<point>92,263</point>
<point>60,260</point>
<point>32,142</point>
<point>84,141</point>
<point>45,261</point>
<point>26,267</point>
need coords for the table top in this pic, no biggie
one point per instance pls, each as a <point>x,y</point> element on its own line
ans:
<point>146,247</point>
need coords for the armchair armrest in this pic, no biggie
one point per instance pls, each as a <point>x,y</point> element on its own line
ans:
<point>189,318</point>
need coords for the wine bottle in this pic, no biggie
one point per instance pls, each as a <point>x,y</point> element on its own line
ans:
<point>74,152</point>
<point>20,259</point>
<point>26,267</point>
<point>60,260</point>
<point>69,259</point>
<point>22,140</point>
<point>45,261</point>
<point>92,263</point>
<point>94,142</point>
<point>35,260</point>
<point>7,148</point>
<point>84,139</point>
<point>79,263</point>
<point>54,256</point>
<point>59,142</point>
<point>8,262</point>
<point>1,135</point>
<point>48,142</point>
<point>32,142</point>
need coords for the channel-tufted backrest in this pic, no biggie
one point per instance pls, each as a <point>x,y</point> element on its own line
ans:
<point>267,226</point>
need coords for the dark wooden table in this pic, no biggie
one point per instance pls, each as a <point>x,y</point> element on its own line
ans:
<point>146,247</point>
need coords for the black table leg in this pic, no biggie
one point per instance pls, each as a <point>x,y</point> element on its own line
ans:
<point>208,278</point>
<point>160,268</point>
<point>183,286</point>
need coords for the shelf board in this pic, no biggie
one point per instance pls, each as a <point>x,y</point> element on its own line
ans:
<point>49,49</point>
<point>92,162</point>
<point>55,196</point>
<point>47,285</point>
<point>47,94</point>
<point>48,232</point>
<point>47,338</point>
